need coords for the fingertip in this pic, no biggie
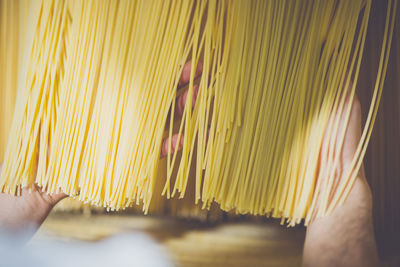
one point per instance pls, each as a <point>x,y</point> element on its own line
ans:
<point>181,103</point>
<point>199,68</point>
<point>185,76</point>
<point>60,196</point>
<point>195,94</point>
<point>177,142</point>
<point>357,105</point>
<point>164,147</point>
<point>180,146</point>
<point>174,141</point>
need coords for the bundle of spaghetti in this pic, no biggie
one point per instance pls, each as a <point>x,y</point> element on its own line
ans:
<point>100,83</point>
<point>160,206</point>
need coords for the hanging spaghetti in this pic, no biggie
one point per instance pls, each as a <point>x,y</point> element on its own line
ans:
<point>101,79</point>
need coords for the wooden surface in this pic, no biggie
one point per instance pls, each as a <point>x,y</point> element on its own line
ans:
<point>189,243</point>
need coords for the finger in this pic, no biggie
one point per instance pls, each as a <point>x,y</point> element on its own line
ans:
<point>52,198</point>
<point>182,99</point>
<point>176,144</point>
<point>353,132</point>
<point>58,197</point>
<point>187,68</point>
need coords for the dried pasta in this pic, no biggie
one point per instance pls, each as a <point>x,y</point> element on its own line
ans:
<point>100,77</point>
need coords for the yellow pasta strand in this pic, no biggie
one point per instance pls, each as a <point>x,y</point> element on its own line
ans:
<point>13,14</point>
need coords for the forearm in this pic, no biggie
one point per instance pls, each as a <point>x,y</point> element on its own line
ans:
<point>345,237</point>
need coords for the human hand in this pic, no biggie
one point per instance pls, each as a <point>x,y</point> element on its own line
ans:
<point>27,210</point>
<point>176,140</point>
<point>344,237</point>
<point>332,148</point>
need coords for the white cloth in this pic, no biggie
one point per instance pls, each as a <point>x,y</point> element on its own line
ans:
<point>121,250</point>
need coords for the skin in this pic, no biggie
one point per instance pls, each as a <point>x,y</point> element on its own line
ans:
<point>28,210</point>
<point>343,238</point>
